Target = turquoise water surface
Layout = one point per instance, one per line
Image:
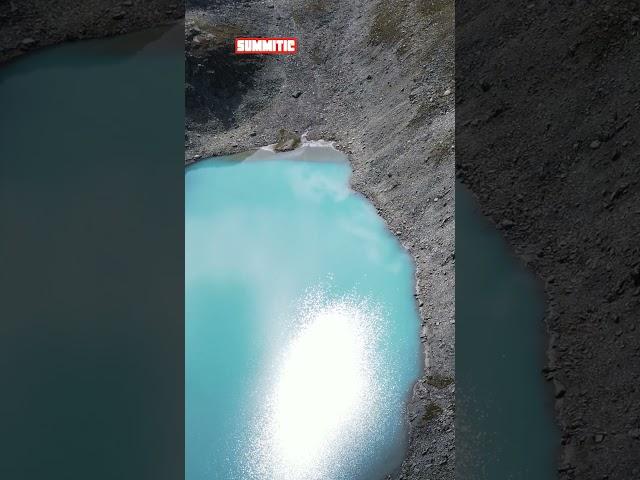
(302, 338)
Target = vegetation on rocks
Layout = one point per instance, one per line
(432, 411)
(439, 381)
(287, 141)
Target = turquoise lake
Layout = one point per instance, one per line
(302, 336)
(505, 426)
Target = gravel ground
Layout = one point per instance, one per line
(27, 25)
(378, 80)
(547, 139)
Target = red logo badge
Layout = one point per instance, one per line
(266, 45)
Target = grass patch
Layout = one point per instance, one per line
(439, 381)
(429, 8)
(387, 23)
(216, 34)
(217, 30)
(389, 16)
(432, 411)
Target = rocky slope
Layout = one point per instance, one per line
(547, 139)
(26, 25)
(377, 78)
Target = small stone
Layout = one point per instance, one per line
(559, 388)
(127, 3)
(447, 92)
(635, 433)
(598, 438)
(28, 42)
(595, 144)
(565, 467)
(118, 15)
(296, 94)
(252, 134)
(635, 19)
(506, 223)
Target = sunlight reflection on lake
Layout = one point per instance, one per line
(301, 331)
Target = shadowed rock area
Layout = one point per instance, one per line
(376, 78)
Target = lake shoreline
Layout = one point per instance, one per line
(28, 25)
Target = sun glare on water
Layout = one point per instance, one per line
(323, 395)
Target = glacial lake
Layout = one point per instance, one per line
(302, 336)
(505, 425)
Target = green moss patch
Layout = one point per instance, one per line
(432, 411)
(439, 381)
(387, 23)
(429, 8)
